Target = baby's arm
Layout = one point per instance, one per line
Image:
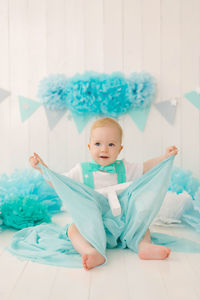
(34, 161)
(149, 164)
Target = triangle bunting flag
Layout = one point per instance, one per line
(140, 116)
(3, 94)
(194, 98)
(27, 107)
(53, 117)
(167, 109)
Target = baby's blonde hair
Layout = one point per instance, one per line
(107, 122)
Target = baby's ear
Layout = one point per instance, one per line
(89, 146)
(121, 148)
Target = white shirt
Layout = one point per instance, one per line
(103, 179)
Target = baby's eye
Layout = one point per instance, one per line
(97, 144)
(111, 145)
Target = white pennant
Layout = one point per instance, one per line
(53, 117)
(3, 94)
(167, 109)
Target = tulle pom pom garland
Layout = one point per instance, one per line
(115, 98)
(141, 89)
(84, 95)
(95, 93)
(99, 94)
(53, 92)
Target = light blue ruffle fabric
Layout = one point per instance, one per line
(140, 203)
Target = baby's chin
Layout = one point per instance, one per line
(104, 161)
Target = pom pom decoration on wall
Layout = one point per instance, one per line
(94, 94)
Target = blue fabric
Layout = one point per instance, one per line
(91, 213)
(175, 243)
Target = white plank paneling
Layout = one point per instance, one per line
(5, 151)
(190, 115)
(34, 283)
(37, 124)
(94, 57)
(143, 279)
(132, 63)
(71, 145)
(57, 64)
(19, 70)
(113, 289)
(113, 36)
(71, 284)
(151, 138)
(170, 70)
(11, 270)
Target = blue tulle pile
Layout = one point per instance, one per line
(98, 93)
(53, 92)
(182, 180)
(142, 89)
(20, 212)
(26, 198)
(84, 95)
(115, 98)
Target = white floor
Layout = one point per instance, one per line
(124, 277)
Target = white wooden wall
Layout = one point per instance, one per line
(42, 37)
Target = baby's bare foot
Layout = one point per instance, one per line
(150, 251)
(92, 260)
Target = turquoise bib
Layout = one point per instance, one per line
(88, 169)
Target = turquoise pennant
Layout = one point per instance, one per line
(139, 116)
(194, 98)
(27, 107)
(81, 121)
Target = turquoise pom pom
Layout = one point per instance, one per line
(29, 190)
(20, 212)
(182, 180)
(142, 89)
(53, 92)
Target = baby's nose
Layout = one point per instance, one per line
(104, 148)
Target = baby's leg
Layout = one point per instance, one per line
(90, 256)
(146, 250)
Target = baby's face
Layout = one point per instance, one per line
(105, 145)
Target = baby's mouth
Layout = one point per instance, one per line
(104, 156)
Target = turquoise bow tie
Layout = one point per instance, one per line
(93, 166)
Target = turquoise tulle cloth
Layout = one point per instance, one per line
(26, 199)
(90, 211)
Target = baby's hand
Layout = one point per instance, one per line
(172, 150)
(35, 160)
